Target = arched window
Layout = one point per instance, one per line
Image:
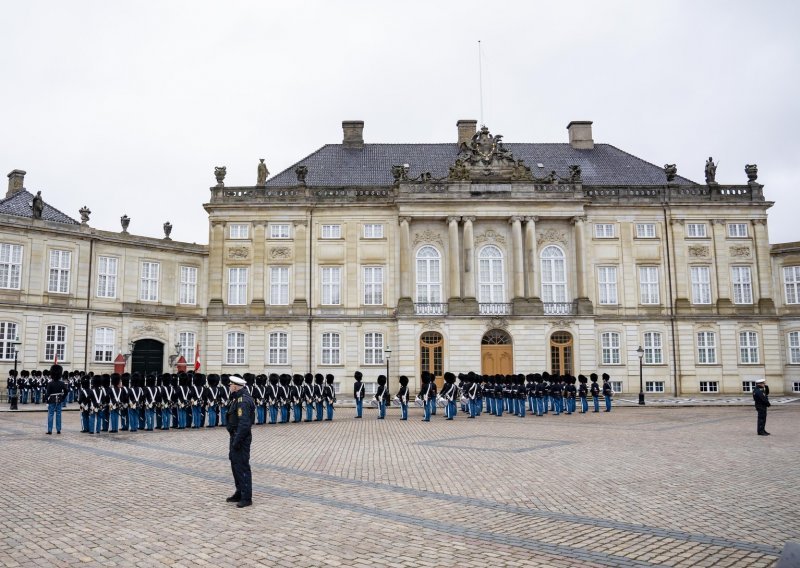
(491, 279)
(554, 275)
(429, 276)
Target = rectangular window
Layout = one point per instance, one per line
(103, 345)
(107, 277)
(796, 386)
(791, 284)
(279, 231)
(709, 386)
(607, 282)
(794, 348)
(187, 341)
(8, 338)
(742, 285)
(648, 284)
(610, 345)
(701, 284)
(331, 345)
(373, 285)
(373, 348)
(737, 230)
(279, 285)
(237, 286)
(616, 386)
(604, 230)
(60, 261)
(149, 281)
(653, 351)
(10, 266)
(748, 347)
(373, 231)
(234, 352)
(331, 231)
(695, 230)
(188, 293)
(706, 348)
(748, 386)
(645, 230)
(238, 231)
(278, 348)
(55, 342)
(654, 386)
(331, 286)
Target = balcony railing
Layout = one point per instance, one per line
(560, 308)
(431, 309)
(493, 309)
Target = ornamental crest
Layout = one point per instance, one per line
(428, 236)
(697, 251)
(490, 235)
(552, 236)
(561, 324)
(238, 253)
(146, 329)
(485, 159)
(740, 251)
(431, 325)
(280, 253)
(497, 323)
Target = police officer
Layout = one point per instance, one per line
(762, 402)
(241, 413)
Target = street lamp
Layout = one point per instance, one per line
(640, 353)
(13, 402)
(387, 353)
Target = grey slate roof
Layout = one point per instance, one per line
(336, 165)
(19, 205)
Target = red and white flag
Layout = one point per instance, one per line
(197, 358)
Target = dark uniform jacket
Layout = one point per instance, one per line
(241, 415)
(760, 397)
(56, 391)
(358, 390)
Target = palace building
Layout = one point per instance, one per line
(470, 255)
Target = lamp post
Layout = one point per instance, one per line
(14, 399)
(387, 353)
(640, 353)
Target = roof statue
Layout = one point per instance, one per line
(37, 205)
(711, 171)
(263, 172)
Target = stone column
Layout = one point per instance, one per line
(216, 263)
(469, 258)
(301, 267)
(259, 244)
(761, 250)
(721, 266)
(532, 256)
(405, 304)
(517, 252)
(454, 271)
(584, 304)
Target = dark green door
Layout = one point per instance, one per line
(147, 357)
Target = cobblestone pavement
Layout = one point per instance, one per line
(636, 487)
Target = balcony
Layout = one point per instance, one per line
(560, 308)
(494, 309)
(431, 309)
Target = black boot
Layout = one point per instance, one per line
(236, 497)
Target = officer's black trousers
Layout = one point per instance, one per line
(240, 465)
(762, 418)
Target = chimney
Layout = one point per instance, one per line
(580, 134)
(466, 130)
(16, 182)
(353, 134)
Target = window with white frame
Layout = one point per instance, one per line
(8, 337)
(187, 340)
(373, 285)
(237, 286)
(103, 345)
(331, 285)
(654, 386)
(645, 230)
(706, 348)
(279, 231)
(278, 348)
(794, 347)
(791, 284)
(653, 349)
(107, 276)
(610, 342)
(148, 291)
(373, 348)
(491, 281)
(648, 285)
(234, 348)
(10, 266)
(60, 261)
(279, 285)
(748, 386)
(742, 285)
(238, 231)
(748, 347)
(604, 230)
(616, 386)
(696, 230)
(55, 342)
(737, 230)
(429, 277)
(554, 275)
(373, 231)
(607, 285)
(331, 348)
(331, 231)
(701, 284)
(709, 386)
(796, 386)
(188, 291)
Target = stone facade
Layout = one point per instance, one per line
(493, 258)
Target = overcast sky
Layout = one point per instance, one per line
(127, 106)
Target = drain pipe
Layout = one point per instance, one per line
(675, 361)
